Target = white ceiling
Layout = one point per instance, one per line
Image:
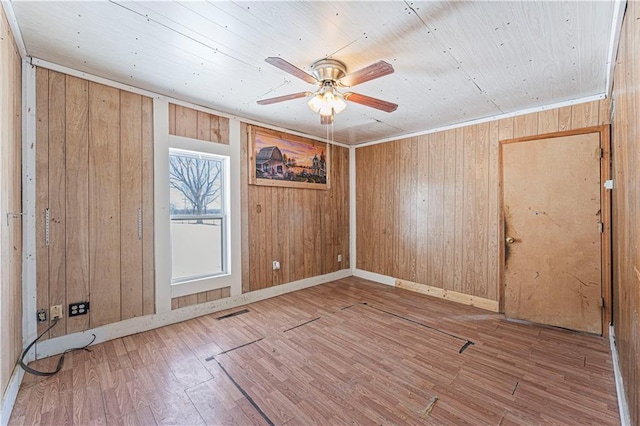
(454, 61)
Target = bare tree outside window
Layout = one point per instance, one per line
(198, 180)
(197, 214)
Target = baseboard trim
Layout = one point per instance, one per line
(107, 332)
(623, 406)
(10, 395)
(440, 293)
(454, 296)
(372, 276)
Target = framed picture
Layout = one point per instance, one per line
(279, 159)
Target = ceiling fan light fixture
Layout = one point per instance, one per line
(329, 74)
(327, 103)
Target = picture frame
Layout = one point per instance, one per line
(284, 160)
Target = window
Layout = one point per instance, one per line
(198, 203)
(197, 227)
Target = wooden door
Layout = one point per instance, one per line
(552, 212)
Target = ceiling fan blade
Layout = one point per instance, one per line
(291, 69)
(326, 119)
(371, 102)
(379, 69)
(283, 98)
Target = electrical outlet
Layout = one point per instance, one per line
(56, 311)
(276, 265)
(78, 308)
(339, 258)
(42, 315)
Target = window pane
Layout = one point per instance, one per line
(196, 183)
(196, 248)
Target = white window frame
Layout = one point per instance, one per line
(222, 217)
(165, 290)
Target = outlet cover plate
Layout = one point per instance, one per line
(56, 311)
(78, 308)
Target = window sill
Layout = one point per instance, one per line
(198, 285)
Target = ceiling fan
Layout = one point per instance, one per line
(329, 75)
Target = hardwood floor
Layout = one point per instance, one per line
(350, 351)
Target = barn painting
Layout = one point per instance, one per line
(279, 160)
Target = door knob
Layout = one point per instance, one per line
(510, 240)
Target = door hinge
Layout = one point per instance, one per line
(600, 227)
(602, 302)
(139, 224)
(601, 153)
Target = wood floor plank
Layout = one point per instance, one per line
(350, 351)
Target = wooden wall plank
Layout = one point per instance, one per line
(10, 202)
(386, 207)
(308, 232)
(495, 195)
(296, 255)
(204, 126)
(77, 197)
(548, 121)
(564, 119)
(189, 300)
(284, 229)
(448, 205)
(459, 237)
(454, 237)
(12, 314)
(585, 115)
(130, 204)
(422, 228)
(42, 193)
(363, 179)
(222, 133)
(104, 198)
(186, 122)
(148, 269)
(172, 119)
(57, 198)
(267, 230)
(481, 210)
(626, 205)
(407, 212)
(276, 248)
(332, 240)
(252, 245)
(318, 258)
(525, 125)
(244, 209)
(436, 207)
(342, 175)
(469, 219)
(604, 114)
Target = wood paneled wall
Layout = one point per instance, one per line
(202, 297)
(626, 206)
(428, 206)
(194, 124)
(94, 172)
(304, 229)
(10, 202)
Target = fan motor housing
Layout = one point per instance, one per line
(328, 70)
